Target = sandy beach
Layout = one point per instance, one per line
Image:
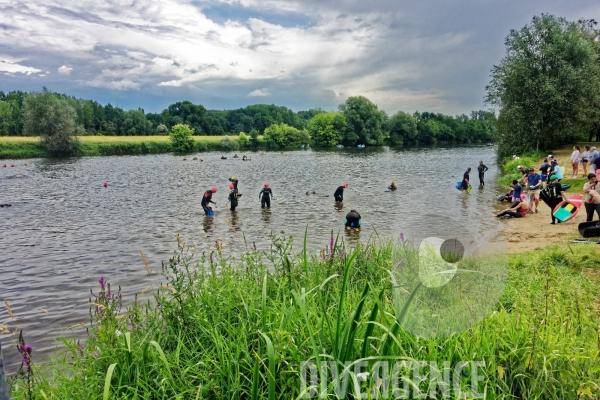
(535, 231)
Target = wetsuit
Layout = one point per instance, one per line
(206, 199)
(520, 213)
(554, 197)
(393, 187)
(481, 168)
(235, 183)
(339, 194)
(233, 200)
(353, 219)
(266, 195)
(466, 178)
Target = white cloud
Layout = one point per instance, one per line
(64, 70)
(12, 67)
(259, 93)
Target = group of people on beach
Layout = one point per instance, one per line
(589, 157)
(352, 222)
(526, 192)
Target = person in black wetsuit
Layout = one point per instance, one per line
(393, 186)
(465, 182)
(555, 196)
(265, 196)
(481, 169)
(206, 199)
(233, 200)
(339, 193)
(353, 220)
(234, 180)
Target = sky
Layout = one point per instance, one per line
(426, 55)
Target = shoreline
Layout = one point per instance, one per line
(534, 232)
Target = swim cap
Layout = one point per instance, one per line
(345, 185)
(214, 189)
(553, 177)
(231, 186)
(233, 177)
(266, 184)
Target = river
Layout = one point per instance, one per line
(65, 230)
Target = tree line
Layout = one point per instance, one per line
(547, 87)
(358, 121)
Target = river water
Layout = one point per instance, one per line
(65, 229)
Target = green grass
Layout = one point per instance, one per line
(225, 328)
(29, 147)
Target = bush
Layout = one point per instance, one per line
(228, 144)
(181, 138)
(243, 139)
(286, 136)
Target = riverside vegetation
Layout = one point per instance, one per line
(227, 328)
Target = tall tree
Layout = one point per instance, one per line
(327, 129)
(548, 84)
(403, 128)
(365, 121)
(53, 120)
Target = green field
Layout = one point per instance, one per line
(16, 147)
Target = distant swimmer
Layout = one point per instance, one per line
(481, 169)
(313, 191)
(339, 193)
(353, 221)
(393, 186)
(223, 158)
(184, 158)
(235, 156)
(233, 198)
(195, 158)
(206, 199)
(265, 196)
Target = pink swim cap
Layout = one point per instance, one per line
(214, 189)
(231, 186)
(266, 184)
(523, 197)
(345, 185)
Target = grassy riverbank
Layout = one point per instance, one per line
(16, 147)
(225, 328)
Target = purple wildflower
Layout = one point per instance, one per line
(25, 351)
(331, 244)
(94, 354)
(101, 282)
(402, 236)
(368, 255)
(401, 263)
(254, 243)
(342, 254)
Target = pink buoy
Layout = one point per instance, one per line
(13, 165)
(105, 183)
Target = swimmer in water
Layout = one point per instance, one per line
(339, 193)
(393, 186)
(206, 199)
(263, 196)
(233, 199)
(234, 180)
(353, 221)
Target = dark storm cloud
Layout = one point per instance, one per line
(426, 55)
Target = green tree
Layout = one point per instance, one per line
(228, 143)
(365, 121)
(181, 138)
(53, 120)
(5, 118)
(403, 128)
(548, 84)
(283, 135)
(243, 139)
(254, 138)
(327, 129)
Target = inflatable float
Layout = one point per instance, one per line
(589, 229)
(565, 211)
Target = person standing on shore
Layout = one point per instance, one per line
(590, 203)
(585, 158)
(534, 181)
(593, 156)
(544, 169)
(465, 182)
(481, 169)
(556, 195)
(575, 156)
